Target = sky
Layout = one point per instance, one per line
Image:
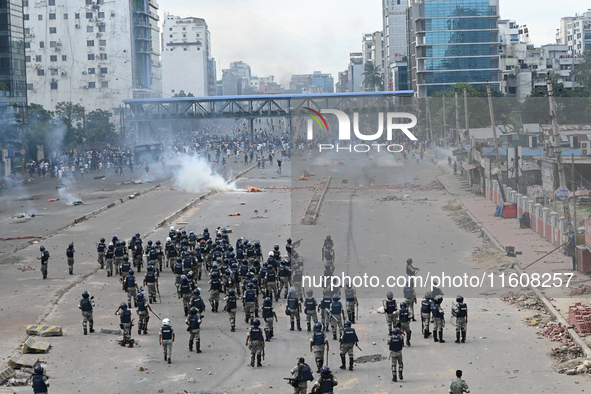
(282, 38)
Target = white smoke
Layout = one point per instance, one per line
(386, 160)
(194, 174)
(65, 193)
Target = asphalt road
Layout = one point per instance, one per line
(372, 236)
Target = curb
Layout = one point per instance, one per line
(547, 304)
(310, 218)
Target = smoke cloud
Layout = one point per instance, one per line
(194, 174)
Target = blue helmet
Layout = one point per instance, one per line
(256, 322)
(268, 301)
(403, 305)
(325, 370)
(336, 297)
(231, 292)
(347, 324)
(85, 294)
(196, 292)
(124, 306)
(395, 331)
(38, 370)
(131, 272)
(318, 326)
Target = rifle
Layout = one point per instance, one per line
(327, 356)
(155, 314)
(296, 243)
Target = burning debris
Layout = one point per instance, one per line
(252, 189)
(24, 216)
(61, 186)
(305, 176)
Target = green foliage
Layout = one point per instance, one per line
(372, 77)
(99, 128)
(183, 94)
(582, 72)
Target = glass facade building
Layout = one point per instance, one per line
(13, 82)
(453, 41)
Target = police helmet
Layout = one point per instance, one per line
(252, 269)
(193, 311)
(438, 299)
(256, 261)
(205, 230)
(245, 241)
(171, 228)
(408, 261)
(255, 281)
(214, 266)
(42, 248)
(111, 247)
(276, 247)
(288, 240)
(226, 261)
(38, 370)
(228, 272)
(224, 230)
(390, 295)
(249, 286)
(150, 243)
(191, 232)
(326, 292)
(395, 331)
(184, 278)
(131, 272)
(137, 235)
(248, 245)
(218, 248)
(309, 293)
(168, 239)
(256, 322)
(271, 254)
(257, 244)
(133, 238)
(196, 292)
(190, 275)
(427, 295)
(268, 301)
(209, 241)
(234, 266)
(249, 274)
(85, 294)
(327, 266)
(403, 305)
(325, 370)
(317, 326)
(265, 264)
(347, 324)
(231, 292)
(158, 243)
(230, 248)
(166, 322)
(244, 261)
(295, 267)
(179, 260)
(336, 297)
(150, 268)
(123, 306)
(115, 237)
(459, 299)
(328, 238)
(102, 240)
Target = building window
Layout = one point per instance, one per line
(26, 17)
(52, 30)
(101, 29)
(29, 86)
(197, 34)
(52, 16)
(41, 44)
(54, 85)
(27, 45)
(28, 59)
(40, 72)
(38, 58)
(27, 30)
(100, 1)
(51, 2)
(184, 28)
(88, 2)
(103, 56)
(101, 14)
(184, 36)
(89, 29)
(91, 85)
(103, 70)
(64, 58)
(170, 28)
(65, 16)
(54, 71)
(90, 56)
(25, 3)
(104, 84)
(77, 16)
(198, 48)
(171, 36)
(89, 15)
(40, 17)
(90, 43)
(184, 49)
(53, 58)
(52, 44)
(91, 70)
(102, 43)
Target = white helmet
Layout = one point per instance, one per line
(168, 239)
(270, 253)
(166, 322)
(171, 228)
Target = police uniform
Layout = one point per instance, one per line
(348, 341)
(284, 274)
(426, 316)
(143, 316)
(192, 241)
(131, 289)
(44, 262)
(310, 310)
(125, 320)
(303, 374)
(326, 383)
(336, 308)
(250, 299)
(100, 249)
(231, 301)
(319, 343)
(439, 321)
(293, 303)
(118, 256)
(166, 332)
(124, 270)
(404, 321)
(297, 281)
(462, 317)
(350, 301)
(194, 323)
(86, 305)
(268, 313)
(390, 309)
(70, 256)
(171, 254)
(396, 343)
(214, 293)
(271, 283)
(39, 384)
(186, 294)
(150, 279)
(109, 255)
(178, 272)
(324, 307)
(458, 386)
(255, 345)
(410, 298)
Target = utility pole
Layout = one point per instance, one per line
(555, 134)
(574, 188)
(444, 123)
(494, 129)
(429, 119)
(466, 116)
(458, 117)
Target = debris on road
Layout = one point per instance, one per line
(24, 216)
(61, 186)
(234, 214)
(99, 177)
(526, 301)
(44, 331)
(370, 359)
(78, 203)
(579, 317)
(52, 199)
(22, 268)
(417, 187)
(252, 189)
(32, 346)
(579, 289)
(23, 237)
(557, 333)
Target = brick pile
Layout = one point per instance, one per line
(557, 334)
(579, 316)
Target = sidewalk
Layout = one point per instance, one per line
(532, 246)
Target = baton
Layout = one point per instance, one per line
(359, 347)
(159, 297)
(357, 311)
(155, 314)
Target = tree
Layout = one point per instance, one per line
(183, 94)
(581, 73)
(99, 127)
(73, 117)
(372, 77)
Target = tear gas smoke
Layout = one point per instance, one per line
(194, 175)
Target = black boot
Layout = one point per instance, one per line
(190, 345)
(272, 335)
(233, 329)
(217, 305)
(256, 312)
(435, 336)
(299, 326)
(91, 327)
(463, 335)
(131, 343)
(186, 311)
(319, 363)
(351, 364)
(457, 337)
(292, 324)
(441, 336)
(259, 361)
(85, 332)
(267, 335)
(394, 377)
(408, 340)
(334, 335)
(326, 328)
(139, 329)
(170, 360)
(252, 360)
(198, 346)
(309, 327)
(400, 375)
(353, 317)
(164, 356)
(343, 362)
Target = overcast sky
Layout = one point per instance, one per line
(282, 38)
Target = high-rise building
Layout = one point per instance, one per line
(355, 72)
(92, 52)
(317, 82)
(575, 33)
(13, 82)
(453, 41)
(186, 57)
(395, 43)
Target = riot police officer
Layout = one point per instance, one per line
(255, 342)
(250, 299)
(288, 248)
(166, 338)
(100, 249)
(410, 298)
(438, 318)
(171, 252)
(70, 257)
(284, 275)
(151, 281)
(268, 313)
(185, 293)
(326, 382)
(317, 344)
(271, 282)
(324, 308)
(197, 301)
(177, 269)
(214, 291)
(404, 321)
(194, 323)
(297, 279)
(124, 270)
(461, 319)
(310, 309)
(130, 286)
(328, 256)
(118, 254)
(125, 323)
(348, 342)
(231, 305)
(395, 344)
(426, 305)
(39, 381)
(303, 374)
(86, 304)
(44, 261)
(143, 306)
(295, 308)
(351, 301)
(336, 312)
(390, 310)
